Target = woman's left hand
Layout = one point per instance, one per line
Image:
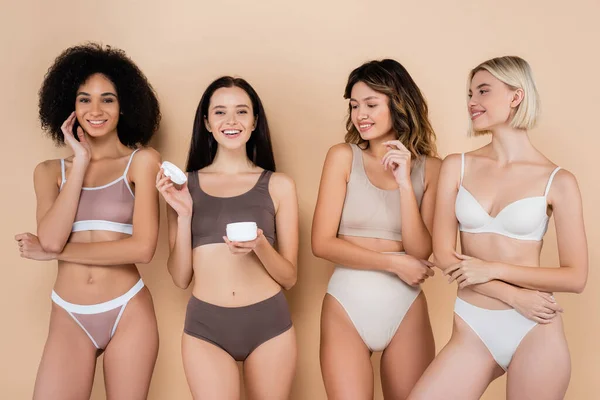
(469, 271)
(30, 247)
(245, 247)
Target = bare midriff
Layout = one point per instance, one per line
(230, 280)
(93, 284)
(497, 248)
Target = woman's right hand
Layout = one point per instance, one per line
(411, 270)
(536, 306)
(81, 149)
(180, 200)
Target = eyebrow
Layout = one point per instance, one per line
(103, 94)
(367, 98)
(238, 106)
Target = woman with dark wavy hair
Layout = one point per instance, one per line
(237, 311)
(97, 215)
(373, 219)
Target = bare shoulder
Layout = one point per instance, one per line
(452, 162)
(564, 185)
(146, 156)
(340, 152)
(282, 185)
(47, 170)
(432, 163)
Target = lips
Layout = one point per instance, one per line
(97, 123)
(364, 127)
(476, 114)
(231, 133)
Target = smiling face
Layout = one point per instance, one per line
(370, 112)
(230, 117)
(97, 106)
(492, 103)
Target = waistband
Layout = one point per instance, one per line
(101, 307)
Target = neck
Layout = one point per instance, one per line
(106, 146)
(510, 144)
(376, 146)
(232, 161)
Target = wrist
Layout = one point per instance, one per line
(405, 186)
(184, 219)
(511, 295)
(261, 243)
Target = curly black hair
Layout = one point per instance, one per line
(140, 112)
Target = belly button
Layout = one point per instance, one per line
(90, 280)
(233, 293)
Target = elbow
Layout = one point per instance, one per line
(146, 255)
(319, 247)
(51, 245)
(290, 282)
(180, 283)
(579, 285)
(443, 258)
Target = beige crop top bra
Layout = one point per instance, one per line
(373, 212)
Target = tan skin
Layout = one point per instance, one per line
(234, 274)
(498, 272)
(345, 359)
(95, 266)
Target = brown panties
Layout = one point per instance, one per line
(238, 330)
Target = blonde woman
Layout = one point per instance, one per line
(500, 197)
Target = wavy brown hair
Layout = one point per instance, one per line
(408, 107)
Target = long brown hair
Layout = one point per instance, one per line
(408, 107)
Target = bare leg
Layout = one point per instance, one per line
(409, 353)
(66, 371)
(130, 356)
(210, 371)
(541, 367)
(462, 370)
(345, 359)
(269, 370)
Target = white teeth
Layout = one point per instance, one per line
(475, 114)
(231, 132)
(97, 122)
(365, 126)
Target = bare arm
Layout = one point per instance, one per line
(179, 217)
(419, 222)
(281, 264)
(445, 228)
(140, 246)
(571, 276)
(56, 208)
(328, 212)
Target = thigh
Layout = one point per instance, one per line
(130, 356)
(541, 366)
(68, 363)
(462, 370)
(269, 370)
(210, 371)
(345, 359)
(409, 353)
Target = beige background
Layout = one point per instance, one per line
(298, 56)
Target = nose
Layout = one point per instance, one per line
(472, 102)
(362, 114)
(95, 108)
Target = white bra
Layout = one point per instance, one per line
(524, 219)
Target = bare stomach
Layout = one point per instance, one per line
(230, 280)
(496, 248)
(93, 284)
(374, 244)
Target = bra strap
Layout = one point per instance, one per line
(129, 163)
(462, 167)
(550, 181)
(62, 172)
